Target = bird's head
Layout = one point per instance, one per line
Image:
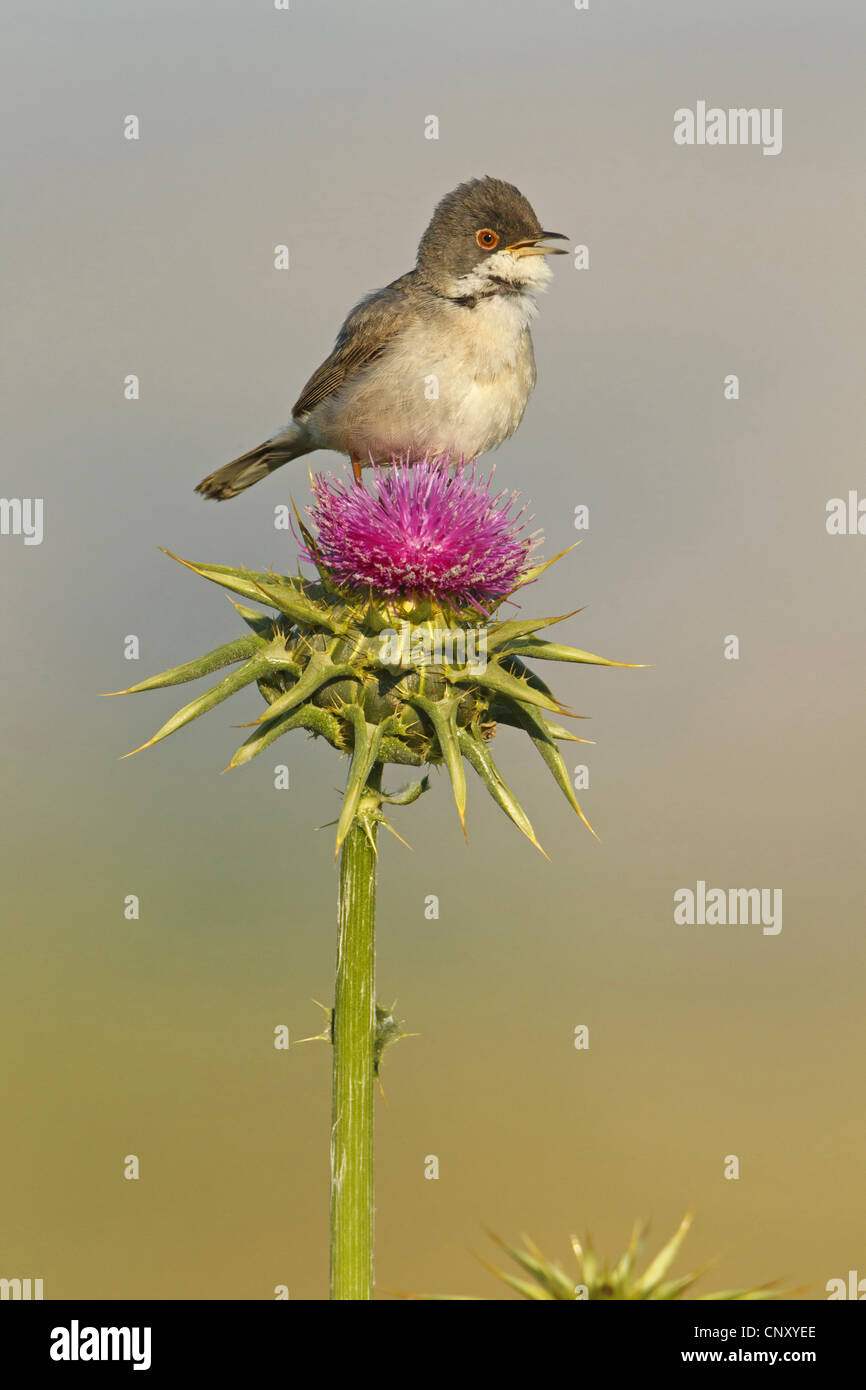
(484, 238)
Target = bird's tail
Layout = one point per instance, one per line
(242, 472)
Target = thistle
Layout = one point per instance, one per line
(396, 653)
(395, 673)
(620, 1282)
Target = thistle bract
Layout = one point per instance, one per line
(407, 677)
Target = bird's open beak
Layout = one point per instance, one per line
(529, 245)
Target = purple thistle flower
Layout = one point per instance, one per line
(421, 530)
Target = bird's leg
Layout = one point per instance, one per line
(356, 468)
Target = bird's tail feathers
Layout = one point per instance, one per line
(251, 467)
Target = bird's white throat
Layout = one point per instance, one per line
(513, 276)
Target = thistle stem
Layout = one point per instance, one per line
(354, 1029)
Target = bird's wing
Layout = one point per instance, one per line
(367, 333)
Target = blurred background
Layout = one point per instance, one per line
(707, 518)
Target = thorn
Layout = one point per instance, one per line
(140, 749)
(387, 825)
(186, 564)
(589, 827)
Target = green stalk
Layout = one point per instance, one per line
(354, 1032)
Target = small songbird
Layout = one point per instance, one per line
(439, 362)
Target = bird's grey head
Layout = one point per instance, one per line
(483, 239)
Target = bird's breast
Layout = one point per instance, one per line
(492, 336)
(457, 380)
(482, 351)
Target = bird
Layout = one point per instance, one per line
(439, 363)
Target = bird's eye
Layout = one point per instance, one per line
(486, 239)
